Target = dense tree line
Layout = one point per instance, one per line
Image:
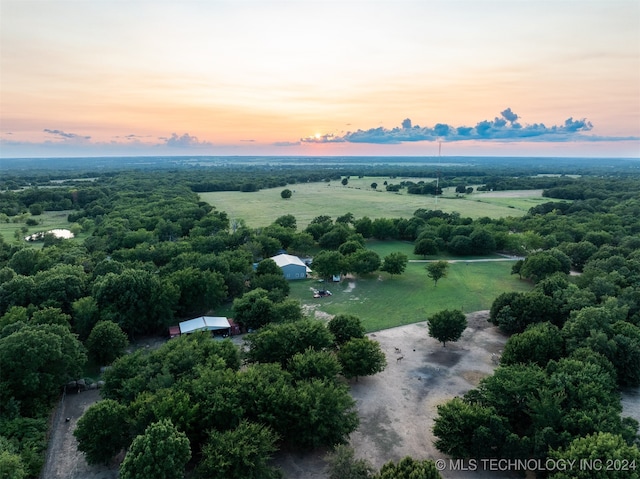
(575, 340)
(156, 254)
(191, 391)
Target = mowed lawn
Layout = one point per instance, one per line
(382, 301)
(384, 248)
(309, 200)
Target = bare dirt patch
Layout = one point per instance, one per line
(397, 407)
(350, 287)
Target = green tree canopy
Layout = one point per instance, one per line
(537, 344)
(102, 431)
(384, 228)
(409, 468)
(162, 452)
(601, 454)
(627, 354)
(361, 357)
(364, 261)
(437, 270)
(447, 325)
(539, 265)
(425, 247)
(468, 430)
(277, 343)
(344, 327)
(51, 315)
(276, 285)
(328, 263)
(139, 301)
(241, 453)
(364, 226)
(350, 247)
(11, 465)
(199, 291)
(106, 342)
(395, 263)
(60, 286)
(287, 221)
(322, 414)
(482, 241)
(85, 316)
(253, 309)
(312, 364)
(36, 361)
(344, 465)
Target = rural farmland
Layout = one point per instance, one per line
(309, 200)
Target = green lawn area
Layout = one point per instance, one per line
(521, 204)
(384, 302)
(314, 199)
(384, 248)
(47, 221)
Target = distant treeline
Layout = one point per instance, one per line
(74, 194)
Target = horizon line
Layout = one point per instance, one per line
(317, 156)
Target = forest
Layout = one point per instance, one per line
(149, 253)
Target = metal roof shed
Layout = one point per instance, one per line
(204, 323)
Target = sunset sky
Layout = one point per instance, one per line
(516, 77)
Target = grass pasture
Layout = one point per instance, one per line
(47, 221)
(384, 248)
(521, 200)
(309, 200)
(383, 302)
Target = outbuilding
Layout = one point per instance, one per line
(218, 325)
(292, 267)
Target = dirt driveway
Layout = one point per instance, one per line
(63, 459)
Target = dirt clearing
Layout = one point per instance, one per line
(397, 407)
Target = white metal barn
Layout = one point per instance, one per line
(206, 323)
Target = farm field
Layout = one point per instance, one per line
(309, 200)
(383, 302)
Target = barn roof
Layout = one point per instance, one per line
(204, 323)
(288, 259)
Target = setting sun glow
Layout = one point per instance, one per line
(255, 78)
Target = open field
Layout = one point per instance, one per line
(47, 221)
(314, 199)
(382, 301)
(386, 247)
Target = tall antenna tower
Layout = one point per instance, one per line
(438, 170)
